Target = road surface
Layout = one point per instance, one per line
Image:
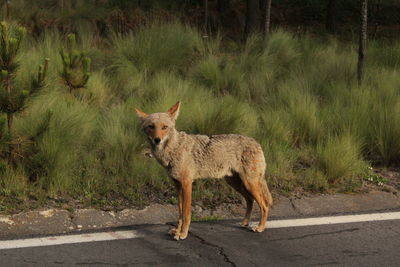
(219, 243)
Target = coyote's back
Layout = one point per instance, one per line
(221, 155)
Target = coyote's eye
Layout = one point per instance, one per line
(164, 127)
(151, 126)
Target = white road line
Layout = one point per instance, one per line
(333, 220)
(67, 239)
(117, 235)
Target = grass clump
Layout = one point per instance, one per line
(387, 129)
(329, 159)
(158, 47)
(314, 180)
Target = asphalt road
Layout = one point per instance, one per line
(224, 243)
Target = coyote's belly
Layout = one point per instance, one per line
(215, 168)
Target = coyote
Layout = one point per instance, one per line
(186, 157)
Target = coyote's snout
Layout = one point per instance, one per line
(237, 159)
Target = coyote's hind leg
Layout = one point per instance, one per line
(255, 188)
(238, 185)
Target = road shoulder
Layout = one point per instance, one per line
(56, 221)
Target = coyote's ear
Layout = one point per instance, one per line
(174, 110)
(141, 115)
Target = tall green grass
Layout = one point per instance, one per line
(330, 155)
(296, 95)
(158, 47)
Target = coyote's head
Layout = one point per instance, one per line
(159, 126)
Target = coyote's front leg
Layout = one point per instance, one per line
(179, 191)
(186, 185)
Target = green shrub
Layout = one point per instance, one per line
(283, 50)
(384, 54)
(76, 65)
(339, 158)
(303, 116)
(158, 47)
(13, 181)
(387, 130)
(314, 180)
(218, 74)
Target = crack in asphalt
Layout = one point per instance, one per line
(220, 249)
(326, 263)
(310, 235)
(101, 263)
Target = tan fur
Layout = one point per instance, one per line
(238, 159)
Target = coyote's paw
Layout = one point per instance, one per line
(257, 229)
(180, 236)
(245, 223)
(173, 231)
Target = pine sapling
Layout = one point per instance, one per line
(76, 65)
(12, 98)
(39, 80)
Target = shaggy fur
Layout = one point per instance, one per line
(238, 159)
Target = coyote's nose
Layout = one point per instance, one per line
(157, 140)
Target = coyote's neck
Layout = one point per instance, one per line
(165, 153)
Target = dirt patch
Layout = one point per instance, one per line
(392, 177)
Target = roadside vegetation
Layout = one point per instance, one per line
(295, 94)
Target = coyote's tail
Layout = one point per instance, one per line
(266, 193)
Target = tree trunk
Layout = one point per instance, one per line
(362, 41)
(330, 16)
(376, 15)
(266, 17)
(223, 6)
(8, 9)
(252, 17)
(10, 120)
(206, 16)
(7, 85)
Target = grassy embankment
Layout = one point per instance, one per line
(297, 96)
